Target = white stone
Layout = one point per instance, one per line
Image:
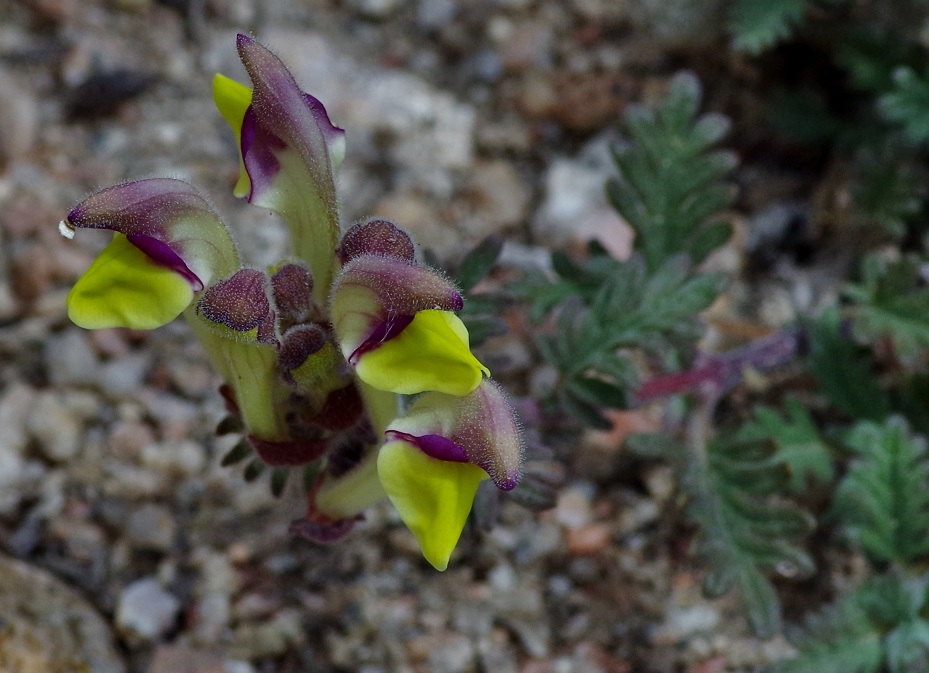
(146, 610)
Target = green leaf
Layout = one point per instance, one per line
(888, 191)
(670, 185)
(756, 26)
(908, 647)
(883, 501)
(907, 104)
(844, 374)
(479, 261)
(629, 310)
(745, 530)
(799, 444)
(892, 303)
(840, 639)
(238, 453)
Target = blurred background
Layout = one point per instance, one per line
(126, 547)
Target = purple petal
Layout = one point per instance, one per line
(282, 116)
(161, 253)
(490, 434)
(434, 446)
(167, 219)
(401, 288)
(385, 331)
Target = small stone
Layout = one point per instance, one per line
(498, 195)
(125, 375)
(48, 628)
(31, 273)
(55, 427)
(452, 653)
(71, 359)
(588, 539)
(575, 209)
(527, 44)
(145, 610)
(152, 527)
(181, 659)
(19, 119)
(376, 9)
(573, 509)
(181, 457)
(271, 638)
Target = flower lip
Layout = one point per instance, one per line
(162, 253)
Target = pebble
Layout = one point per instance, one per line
(498, 195)
(146, 610)
(55, 427)
(47, 627)
(19, 119)
(574, 506)
(126, 375)
(588, 540)
(375, 9)
(183, 457)
(152, 527)
(71, 359)
(183, 659)
(270, 638)
(575, 209)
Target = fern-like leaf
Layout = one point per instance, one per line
(799, 444)
(630, 309)
(892, 302)
(745, 530)
(840, 639)
(844, 374)
(670, 186)
(757, 26)
(883, 501)
(907, 104)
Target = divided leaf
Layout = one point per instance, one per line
(799, 444)
(844, 375)
(840, 639)
(891, 302)
(907, 104)
(670, 186)
(883, 501)
(756, 26)
(656, 314)
(746, 530)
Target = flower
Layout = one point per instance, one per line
(316, 351)
(394, 319)
(436, 456)
(289, 154)
(168, 245)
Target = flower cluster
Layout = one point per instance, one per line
(319, 353)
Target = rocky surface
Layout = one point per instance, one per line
(464, 117)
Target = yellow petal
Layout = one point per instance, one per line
(431, 353)
(232, 100)
(433, 497)
(125, 288)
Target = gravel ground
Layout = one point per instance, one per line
(135, 551)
